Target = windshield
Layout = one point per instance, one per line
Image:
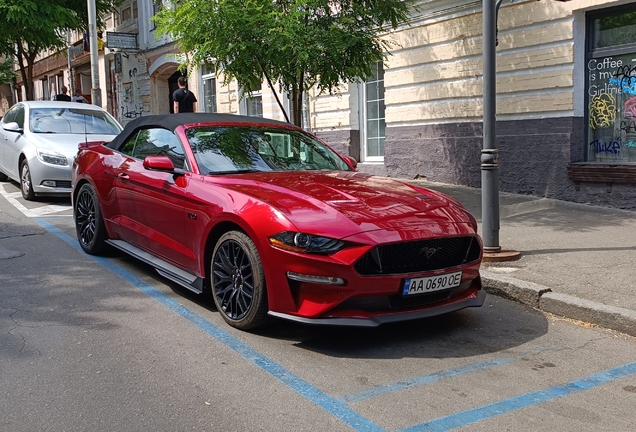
(72, 121)
(232, 149)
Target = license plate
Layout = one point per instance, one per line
(432, 283)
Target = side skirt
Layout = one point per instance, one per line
(175, 274)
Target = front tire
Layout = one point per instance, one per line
(238, 281)
(89, 224)
(26, 187)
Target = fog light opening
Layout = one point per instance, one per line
(327, 280)
(49, 183)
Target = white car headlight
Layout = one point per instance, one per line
(51, 157)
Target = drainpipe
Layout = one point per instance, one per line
(305, 113)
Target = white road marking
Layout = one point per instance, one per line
(12, 198)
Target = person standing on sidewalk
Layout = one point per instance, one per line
(63, 96)
(78, 97)
(184, 99)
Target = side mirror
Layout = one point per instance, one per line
(161, 163)
(352, 162)
(13, 127)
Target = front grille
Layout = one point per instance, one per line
(383, 303)
(419, 256)
(400, 302)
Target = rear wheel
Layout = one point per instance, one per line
(89, 224)
(25, 182)
(238, 282)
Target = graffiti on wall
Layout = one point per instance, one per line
(602, 111)
(133, 89)
(129, 109)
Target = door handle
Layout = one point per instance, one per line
(123, 176)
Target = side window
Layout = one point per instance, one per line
(19, 116)
(129, 146)
(156, 142)
(10, 115)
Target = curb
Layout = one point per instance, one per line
(543, 298)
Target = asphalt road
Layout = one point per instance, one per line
(106, 344)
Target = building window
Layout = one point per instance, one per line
(254, 105)
(373, 124)
(208, 74)
(126, 14)
(156, 7)
(135, 11)
(611, 86)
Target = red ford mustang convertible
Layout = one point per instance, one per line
(274, 223)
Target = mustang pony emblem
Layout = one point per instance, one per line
(428, 251)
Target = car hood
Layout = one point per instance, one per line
(65, 143)
(353, 202)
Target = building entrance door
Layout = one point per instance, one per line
(172, 86)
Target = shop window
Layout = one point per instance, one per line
(373, 123)
(611, 86)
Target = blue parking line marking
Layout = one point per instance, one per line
(430, 378)
(326, 402)
(425, 379)
(523, 401)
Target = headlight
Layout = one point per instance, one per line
(306, 243)
(51, 157)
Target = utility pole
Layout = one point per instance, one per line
(490, 154)
(96, 92)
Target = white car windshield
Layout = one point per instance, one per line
(72, 121)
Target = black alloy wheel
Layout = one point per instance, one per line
(89, 224)
(238, 281)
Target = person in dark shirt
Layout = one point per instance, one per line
(184, 99)
(63, 96)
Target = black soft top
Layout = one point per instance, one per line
(172, 121)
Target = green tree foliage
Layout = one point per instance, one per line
(295, 44)
(31, 26)
(6, 72)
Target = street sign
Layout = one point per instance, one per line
(121, 40)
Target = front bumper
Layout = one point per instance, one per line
(58, 177)
(471, 298)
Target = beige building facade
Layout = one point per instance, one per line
(565, 83)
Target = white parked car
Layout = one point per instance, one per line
(39, 139)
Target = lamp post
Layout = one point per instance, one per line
(489, 153)
(96, 93)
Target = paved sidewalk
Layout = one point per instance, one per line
(578, 261)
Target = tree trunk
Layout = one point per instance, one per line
(297, 100)
(297, 107)
(26, 71)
